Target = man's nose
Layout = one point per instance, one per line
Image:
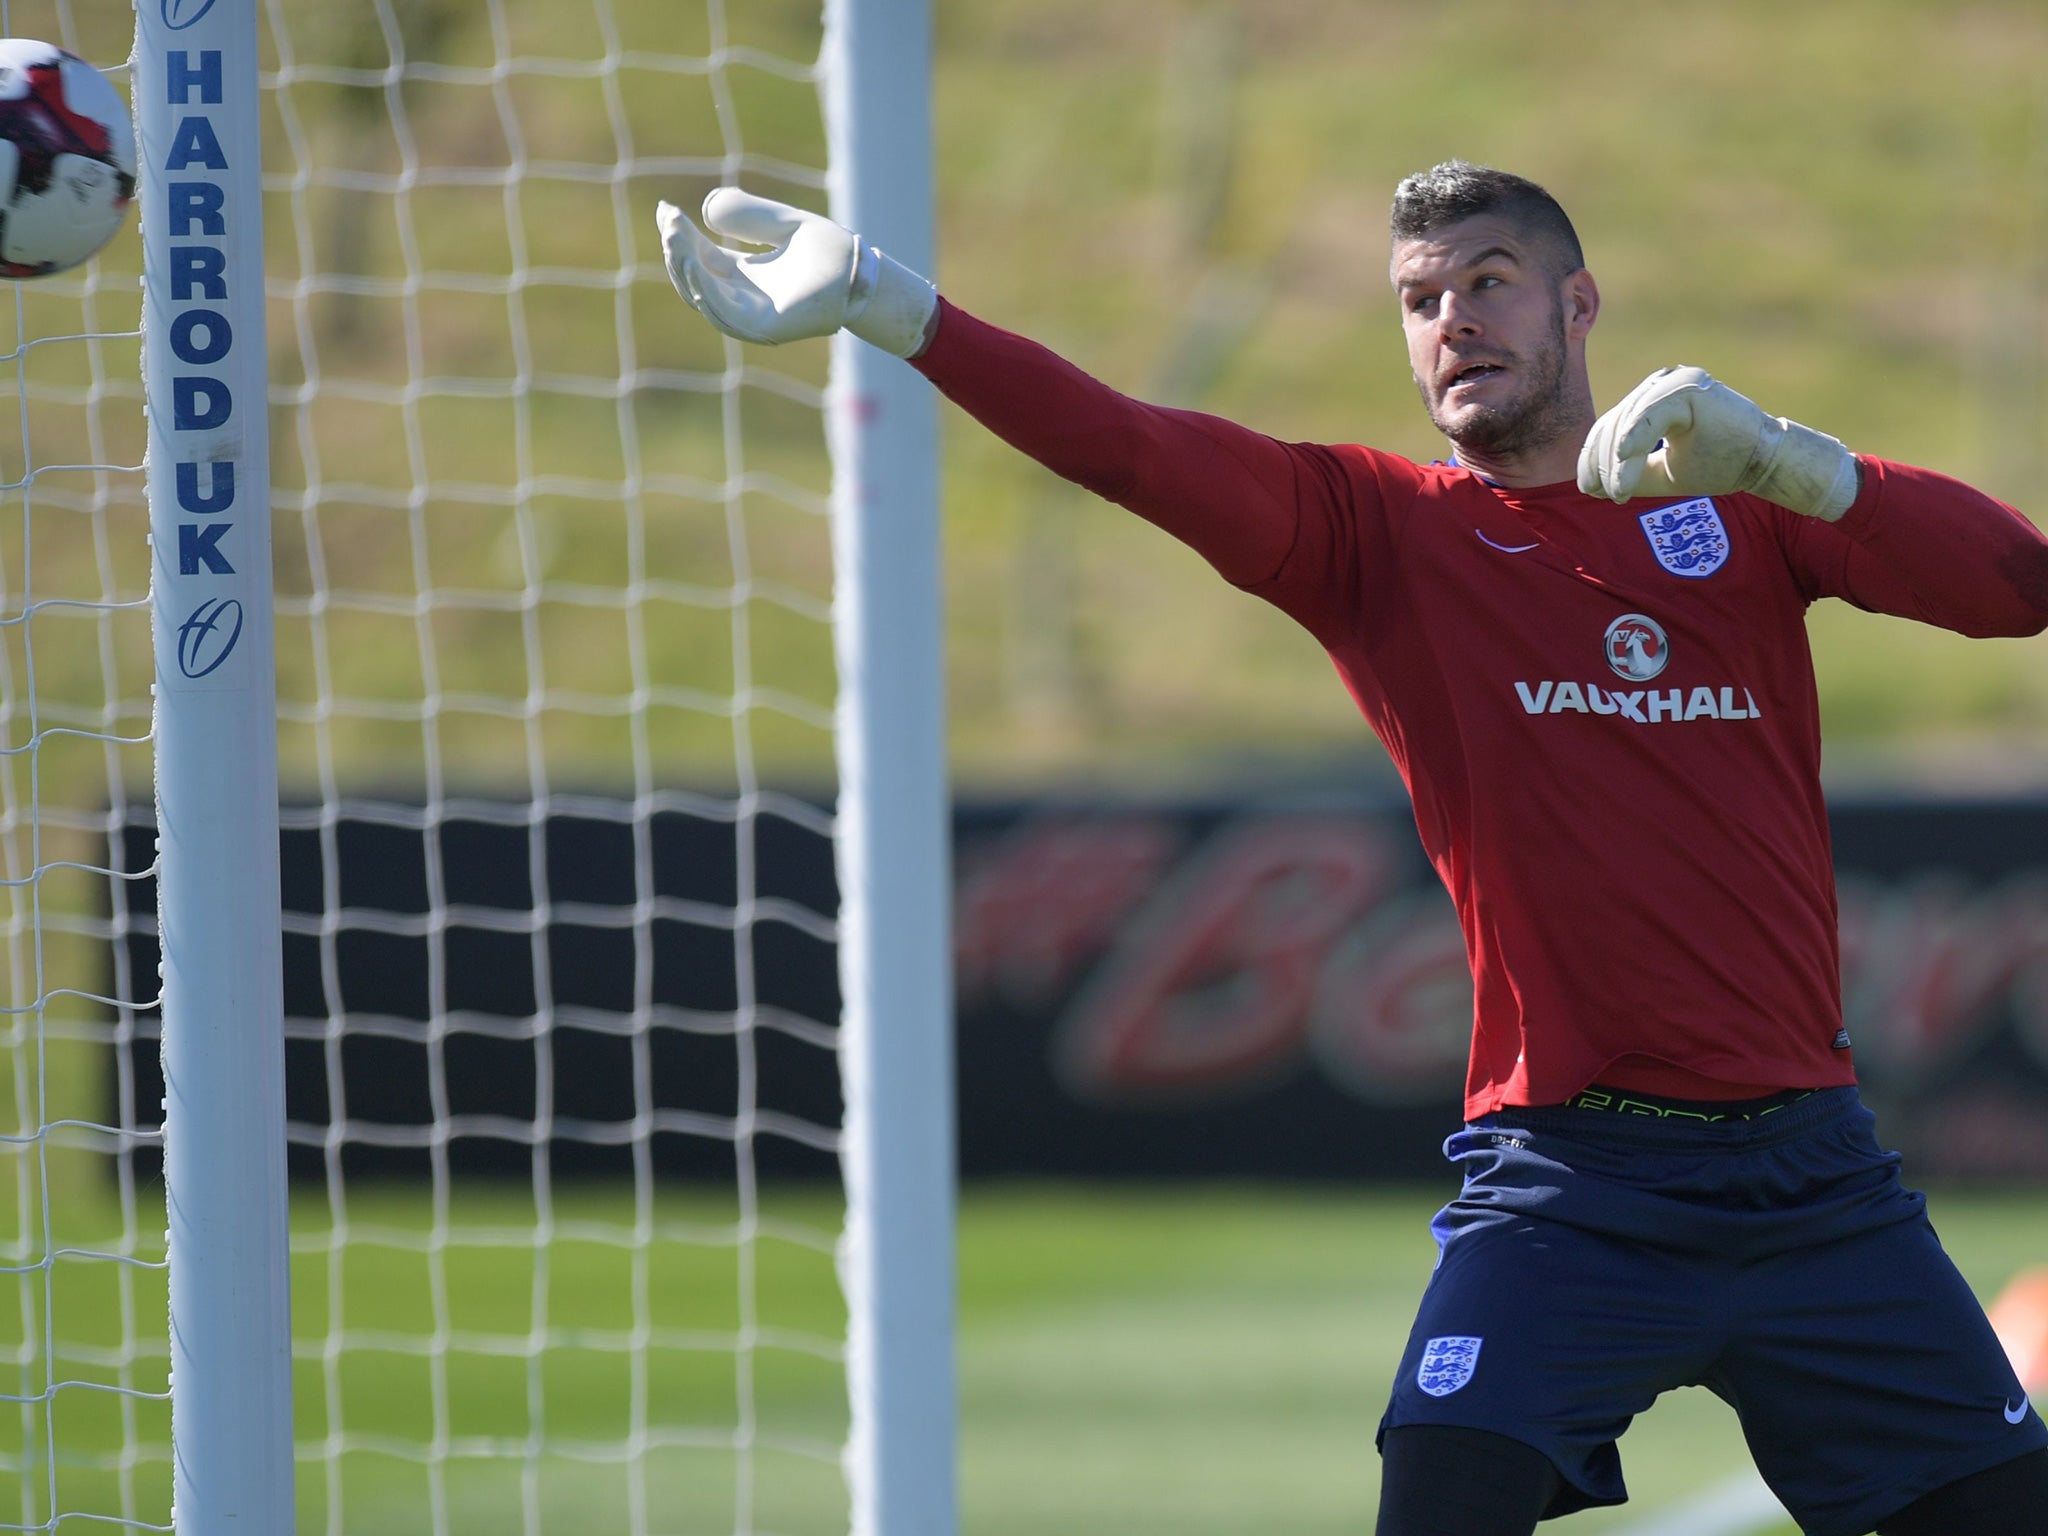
(1455, 317)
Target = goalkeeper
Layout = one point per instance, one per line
(1582, 640)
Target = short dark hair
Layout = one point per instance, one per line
(1457, 190)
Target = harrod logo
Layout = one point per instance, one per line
(206, 639)
(180, 14)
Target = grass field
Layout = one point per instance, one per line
(1186, 1361)
(1838, 208)
(1216, 1361)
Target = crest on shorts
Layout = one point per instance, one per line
(1688, 539)
(1447, 1364)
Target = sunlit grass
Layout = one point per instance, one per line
(1163, 1359)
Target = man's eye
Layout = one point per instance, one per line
(1488, 281)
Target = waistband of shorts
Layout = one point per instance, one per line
(1599, 1098)
(1796, 1116)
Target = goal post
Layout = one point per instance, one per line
(197, 106)
(554, 568)
(893, 809)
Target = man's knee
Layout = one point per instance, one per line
(1437, 1480)
(2010, 1499)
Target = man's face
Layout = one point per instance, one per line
(1486, 328)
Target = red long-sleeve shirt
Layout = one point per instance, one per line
(1605, 715)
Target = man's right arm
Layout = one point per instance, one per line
(1236, 496)
(1281, 519)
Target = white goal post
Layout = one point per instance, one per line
(204, 74)
(894, 813)
(195, 97)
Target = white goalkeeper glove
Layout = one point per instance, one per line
(813, 279)
(1714, 442)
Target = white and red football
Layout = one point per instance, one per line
(67, 159)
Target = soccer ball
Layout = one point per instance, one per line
(67, 159)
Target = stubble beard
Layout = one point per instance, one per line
(1541, 415)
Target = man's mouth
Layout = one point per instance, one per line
(1473, 373)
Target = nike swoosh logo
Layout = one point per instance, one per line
(1506, 549)
(2014, 1415)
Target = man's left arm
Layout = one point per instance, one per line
(1923, 546)
(1884, 536)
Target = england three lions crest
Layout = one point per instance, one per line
(1688, 539)
(1447, 1364)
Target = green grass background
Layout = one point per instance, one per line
(1837, 207)
(1131, 1359)
(1840, 207)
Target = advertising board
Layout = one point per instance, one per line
(1152, 991)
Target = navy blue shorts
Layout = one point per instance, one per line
(1595, 1260)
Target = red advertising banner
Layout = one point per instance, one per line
(1216, 991)
(1272, 991)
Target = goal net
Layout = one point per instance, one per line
(84, 1407)
(557, 747)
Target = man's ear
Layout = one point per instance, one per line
(1581, 302)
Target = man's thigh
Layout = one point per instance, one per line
(1866, 1377)
(1555, 1337)
(1437, 1480)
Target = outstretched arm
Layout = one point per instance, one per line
(1234, 495)
(1250, 504)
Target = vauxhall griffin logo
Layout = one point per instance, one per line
(1637, 650)
(206, 639)
(1636, 647)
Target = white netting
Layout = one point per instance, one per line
(84, 1420)
(553, 587)
(553, 580)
